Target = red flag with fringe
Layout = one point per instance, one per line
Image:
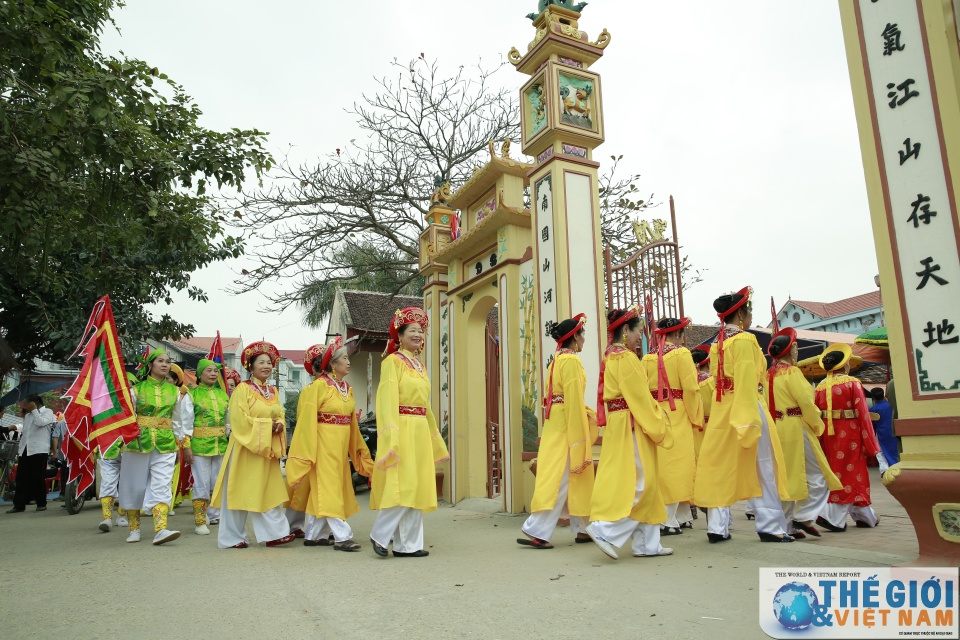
(776, 320)
(100, 412)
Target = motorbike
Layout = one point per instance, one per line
(74, 500)
(368, 430)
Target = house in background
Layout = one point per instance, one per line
(851, 315)
(367, 315)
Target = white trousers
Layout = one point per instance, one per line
(267, 526)
(296, 519)
(718, 520)
(836, 514)
(205, 472)
(318, 528)
(402, 525)
(768, 512)
(146, 480)
(646, 537)
(109, 478)
(677, 513)
(542, 524)
(817, 491)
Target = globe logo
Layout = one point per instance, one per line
(794, 605)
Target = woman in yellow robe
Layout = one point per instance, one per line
(741, 458)
(327, 435)
(408, 442)
(250, 480)
(565, 461)
(791, 402)
(680, 398)
(626, 497)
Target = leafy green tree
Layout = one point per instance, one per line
(104, 179)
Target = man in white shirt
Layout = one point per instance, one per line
(34, 450)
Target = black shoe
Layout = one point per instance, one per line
(750, 516)
(822, 522)
(17, 510)
(379, 550)
(806, 528)
(43, 508)
(422, 553)
(322, 542)
(716, 537)
(769, 537)
(671, 531)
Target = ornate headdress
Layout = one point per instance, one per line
(255, 349)
(231, 374)
(725, 306)
(177, 373)
(312, 353)
(578, 321)
(401, 317)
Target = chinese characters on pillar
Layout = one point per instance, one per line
(921, 215)
(543, 219)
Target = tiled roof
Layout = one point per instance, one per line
(700, 333)
(203, 343)
(372, 311)
(293, 355)
(841, 307)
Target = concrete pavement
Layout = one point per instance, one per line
(63, 579)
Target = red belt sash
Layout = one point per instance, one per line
(793, 412)
(333, 418)
(557, 399)
(676, 393)
(617, 404)
(412, 411)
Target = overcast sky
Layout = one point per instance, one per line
(741, 110)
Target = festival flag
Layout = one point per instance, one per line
(100, 413)
(648, 325)
(773, 312)
(216, 355)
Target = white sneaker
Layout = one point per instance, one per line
(122, 521)
(106, 525)
(165, 535)
(605, 546)
(665, 551)
(134, 536)
(172, 513)
(202, 530)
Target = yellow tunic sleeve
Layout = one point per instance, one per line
(745, 412)
(803, 393)
(359, 452)
(303, 450)
(388, 413)
(252, 433)
(646, 411)
(440, 452)
(578, 426)
(693, 403)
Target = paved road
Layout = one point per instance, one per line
(64, 579)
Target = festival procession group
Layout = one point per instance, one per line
(683, 431)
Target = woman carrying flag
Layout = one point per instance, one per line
(165, 423)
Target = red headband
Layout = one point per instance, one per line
(581, 319)
(706, 349)
(677, 327)
(791, 333)
(628, 315)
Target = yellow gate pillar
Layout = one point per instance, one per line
(562, 123)
(905, 75)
